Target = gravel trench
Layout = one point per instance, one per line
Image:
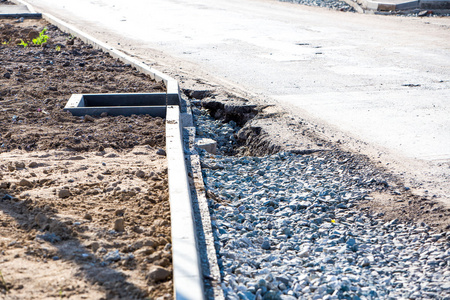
(331, 4)
(288, 227)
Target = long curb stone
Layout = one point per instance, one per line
(187, 275)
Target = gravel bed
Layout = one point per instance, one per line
(332, 4)
(343, 6)
(287, 227)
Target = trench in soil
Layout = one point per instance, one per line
(232, 126)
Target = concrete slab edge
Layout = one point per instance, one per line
(210, 265)
(355, 6)
(29, 7)
(31, 14)
(186, 264)
(212, 277)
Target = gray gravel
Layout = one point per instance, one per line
(287, 228)
(332, 4)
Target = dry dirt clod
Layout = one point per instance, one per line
(145, 251)
(19, 165)
(24, 182)
(88, 118)
(160, 222)
(11, 168)
(94, 246)
(88, 217)
(41, 220)
(33, 34)
(163, 262)
(119, 225)
(157, 273)
(140, 174)
(33, 164)
(151, 243)
(64, 193)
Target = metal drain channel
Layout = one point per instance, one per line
(153, 104)
(187, 274)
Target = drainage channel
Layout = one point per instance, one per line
(290, 226)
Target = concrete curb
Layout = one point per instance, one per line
(210, 266)
(371, 6)
(186, 270)
(187, 273)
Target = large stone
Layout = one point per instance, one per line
(157, 273)
(265, 245)
(208, 145)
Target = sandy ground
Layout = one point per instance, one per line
(84, 210)
(83, 225)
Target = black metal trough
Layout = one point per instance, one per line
(153, 104)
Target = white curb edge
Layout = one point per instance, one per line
(186, 263)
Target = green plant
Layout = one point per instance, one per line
(58, 48)
(42, 38)
(6, 42)
(23, 43)
(71, 39)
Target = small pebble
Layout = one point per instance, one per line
(88, 118)
(161, 152)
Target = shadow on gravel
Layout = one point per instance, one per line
(63, 236)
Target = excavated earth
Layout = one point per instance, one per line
(84, 210)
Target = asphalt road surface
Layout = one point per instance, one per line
(380, 80)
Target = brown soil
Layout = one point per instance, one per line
(84, 210)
